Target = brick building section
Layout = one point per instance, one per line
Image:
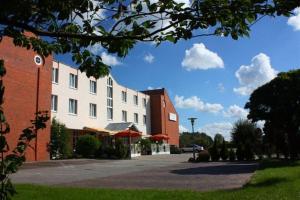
(20, 95)
(161, 108)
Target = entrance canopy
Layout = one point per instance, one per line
(100, 131)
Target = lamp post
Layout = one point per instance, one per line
(193, 119)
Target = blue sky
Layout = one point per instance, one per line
(211, 77)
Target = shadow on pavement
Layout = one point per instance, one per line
(225, 169)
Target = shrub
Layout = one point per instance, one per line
(175, 150)
(240, 155)
(87, 146)
(232, 155)
(110, 152)
(203, 156)
(145, 146)
(214, 152)
(224, 151)
(60, 146)
(121, 150)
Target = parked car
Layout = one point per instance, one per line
(191, 147)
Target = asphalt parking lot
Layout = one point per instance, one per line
(146, 172)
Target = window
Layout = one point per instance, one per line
(109, 113)
(93, 87)
(144, 119)
(144, 102)
(109, 98)
(135, 100)
(73, 106)
(54, 103)
(54, 75)
(73, 81)
(93, 110)
(136, 118)
(124, 96)
(124, 116)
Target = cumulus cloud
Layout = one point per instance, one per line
(109, 59)
(254, 75)
(236, 111)
(153, 88)
(224, 128)
(197, 104)
(182, 129)
(149, 58)
(199, 57)
(294, 21)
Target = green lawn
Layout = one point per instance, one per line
(274, 180)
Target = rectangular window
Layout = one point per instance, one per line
(54, 75)
(73, 81)
(54, 103)
(124, 116)
(109, 92)
(144, 119)
(135, 100)
(73, 106)
(93, 87)
(109, 113)
(144, 102)
(136, 118)
(124, 96)
(93, 110)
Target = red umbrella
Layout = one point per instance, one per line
(128, 133)
(159, 137)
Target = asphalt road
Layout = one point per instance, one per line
(146, 172)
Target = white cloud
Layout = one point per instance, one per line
(153, 88)
(197, 104)
(221, 87)
(95, 49)
(199, 57)
(254, 75)
(260, 124)
(224, 128)
(235, 111)
(182, 129)
(149, 58)
(109, 59)
(294, 21)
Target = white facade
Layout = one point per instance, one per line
(77, 107)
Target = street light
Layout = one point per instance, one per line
(193, 119)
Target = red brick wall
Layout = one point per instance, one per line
(20, 95)
(161, 106)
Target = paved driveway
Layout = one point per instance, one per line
(151, 172)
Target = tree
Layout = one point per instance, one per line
(74, 26)
(60, 146)
(214, 152)
(277, 102)
(188, 139)
(247, 138)
(224, 151)
(219, 140)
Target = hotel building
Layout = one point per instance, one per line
(83, 104)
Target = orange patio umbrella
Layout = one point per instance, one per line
(128, 133)
(159, 137)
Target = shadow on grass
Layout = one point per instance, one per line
(278, 163)
(243, 168)
(268, 182)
